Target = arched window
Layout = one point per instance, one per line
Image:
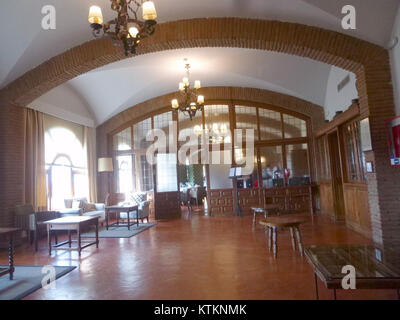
(66, 167)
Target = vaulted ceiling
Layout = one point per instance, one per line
(104, 92)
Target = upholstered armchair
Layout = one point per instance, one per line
(142, 213)
(32, 222)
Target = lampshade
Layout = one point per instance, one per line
(95, 15)
(197, 84)
(105, 165)
(175, 104)
(149, 10)
(200, 99)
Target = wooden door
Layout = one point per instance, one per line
(337, 176)
(166, 195)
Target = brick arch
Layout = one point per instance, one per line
(369, 62)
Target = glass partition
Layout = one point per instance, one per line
(270, 124)
(297, 163)
(271, 166)
(246, 118)
(294, 127)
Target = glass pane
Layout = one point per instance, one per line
(167, 179)
(220, 164)
(140, 131)
(246, 118)
(294, 127)
(247, 159)
(125, 177)
(143, 173)
(297, 164)
(162, 122)
(272, 166)
(123, 140)
(188, 127)
(351, 155)
(217, 123)
(61, 186)
(270, 124)
(81, 186)
(323, 159)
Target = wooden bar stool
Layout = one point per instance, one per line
(272, 224)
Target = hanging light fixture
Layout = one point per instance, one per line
(191, 102)
(126, 29)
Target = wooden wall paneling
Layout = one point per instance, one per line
(222, 202)
(357, 208)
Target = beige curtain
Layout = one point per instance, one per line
(90, 151)
(35, 167)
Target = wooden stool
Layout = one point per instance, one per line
(264, 211)
(273, 223)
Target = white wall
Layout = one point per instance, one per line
(65, 103)
(395, 63)
(339, 101)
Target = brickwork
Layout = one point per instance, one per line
(369, 62)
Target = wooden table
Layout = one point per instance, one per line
(264, 211)
(9, 233)
(272, 224)
(72, 223)
(118, 209)
(376, 268)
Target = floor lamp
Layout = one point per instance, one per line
(106, 165)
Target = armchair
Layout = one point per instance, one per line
(32, 222)
(40, 218)
(142, 213)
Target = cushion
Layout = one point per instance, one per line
(138, 197)
(87, 207)
(76, 204)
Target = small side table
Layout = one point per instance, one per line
(9, 232)
(272, 224)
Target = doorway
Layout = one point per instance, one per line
(337, 176)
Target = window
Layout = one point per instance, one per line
(140, 131)
(123, 140)
(270, 124)
(246, 118)
(167, 179)
(188, 127)
(271, 166)
(355, 158)
(294, 127)
(217, 123)
(297, 163)
(66, 167)
(323, 164)
(125, 174)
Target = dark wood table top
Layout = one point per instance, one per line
(283, 221)
(123, 207)
(70, 220)
(8, 230)
(375, 268)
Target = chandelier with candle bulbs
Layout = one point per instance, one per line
(126, 29)
(190, 101)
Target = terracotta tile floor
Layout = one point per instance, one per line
(200, 258)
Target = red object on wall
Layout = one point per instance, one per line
(396, 140)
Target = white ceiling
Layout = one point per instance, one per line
(25, 45)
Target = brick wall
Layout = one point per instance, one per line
(11, 160)
(369, 62)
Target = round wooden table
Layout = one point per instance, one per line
(272, 224)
